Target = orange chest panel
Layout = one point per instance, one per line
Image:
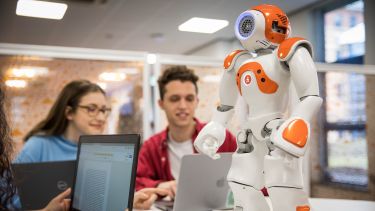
(265, 83)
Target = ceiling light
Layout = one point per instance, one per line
(127, 70)
(151, 58)
(28, 72)
(112, 76)
(16, 83)
(41, 9)
(203, 25)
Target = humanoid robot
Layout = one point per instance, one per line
(270, 143)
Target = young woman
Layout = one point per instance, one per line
(80, 109)
(9, 199)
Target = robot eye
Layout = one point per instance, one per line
(246, 26)
(277, 28)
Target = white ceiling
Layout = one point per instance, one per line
(140, 25)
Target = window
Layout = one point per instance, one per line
(339, 39)
(345, 129)
(353, 20)
(338, 21)
(346, 159)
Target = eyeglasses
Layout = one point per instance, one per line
(93, 110)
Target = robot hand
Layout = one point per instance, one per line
(290, 135)
(209, 139)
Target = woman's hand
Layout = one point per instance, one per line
(59, 203)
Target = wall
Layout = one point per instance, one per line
(370, 31)
(217, 49)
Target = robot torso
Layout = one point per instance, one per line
(263, 81)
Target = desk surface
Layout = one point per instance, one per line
(319, 204)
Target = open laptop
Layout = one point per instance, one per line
(202, 184)
(38, 183)
(105, 172)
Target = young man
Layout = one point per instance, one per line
(160, 156)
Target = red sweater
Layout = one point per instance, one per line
(153, 161)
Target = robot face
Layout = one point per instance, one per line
(245, 25)
(249, 29)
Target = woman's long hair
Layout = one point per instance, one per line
(56, 122)
(7, 188)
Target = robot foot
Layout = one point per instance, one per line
(303, 208)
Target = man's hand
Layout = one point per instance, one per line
(59, 203)
(170, 186)
(143, 199)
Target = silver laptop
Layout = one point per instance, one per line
(202, 184)
(105, 173)
(38, 183)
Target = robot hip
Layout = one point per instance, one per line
(248, 168)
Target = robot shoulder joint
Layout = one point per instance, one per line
(288, 47)
(230, 60)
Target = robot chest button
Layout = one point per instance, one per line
(247, 80)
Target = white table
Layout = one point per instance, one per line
(320, 204)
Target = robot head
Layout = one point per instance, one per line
(264, 26)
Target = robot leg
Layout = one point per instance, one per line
(247, 198)
(283, 178)
(288, 199)
(246, 177)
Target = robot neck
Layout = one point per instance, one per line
(263, 51)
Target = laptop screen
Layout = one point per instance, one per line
(104, 176)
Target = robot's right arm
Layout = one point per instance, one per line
(212, 136)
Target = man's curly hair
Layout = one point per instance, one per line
(180, 73)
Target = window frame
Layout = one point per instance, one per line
(326, 126)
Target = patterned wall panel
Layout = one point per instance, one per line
(45, 77)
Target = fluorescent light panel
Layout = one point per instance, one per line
(203, 25)
(151, 58)
(28, 72)
(127, 70)
(112, 76)
(16, 83)
(41, 9)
